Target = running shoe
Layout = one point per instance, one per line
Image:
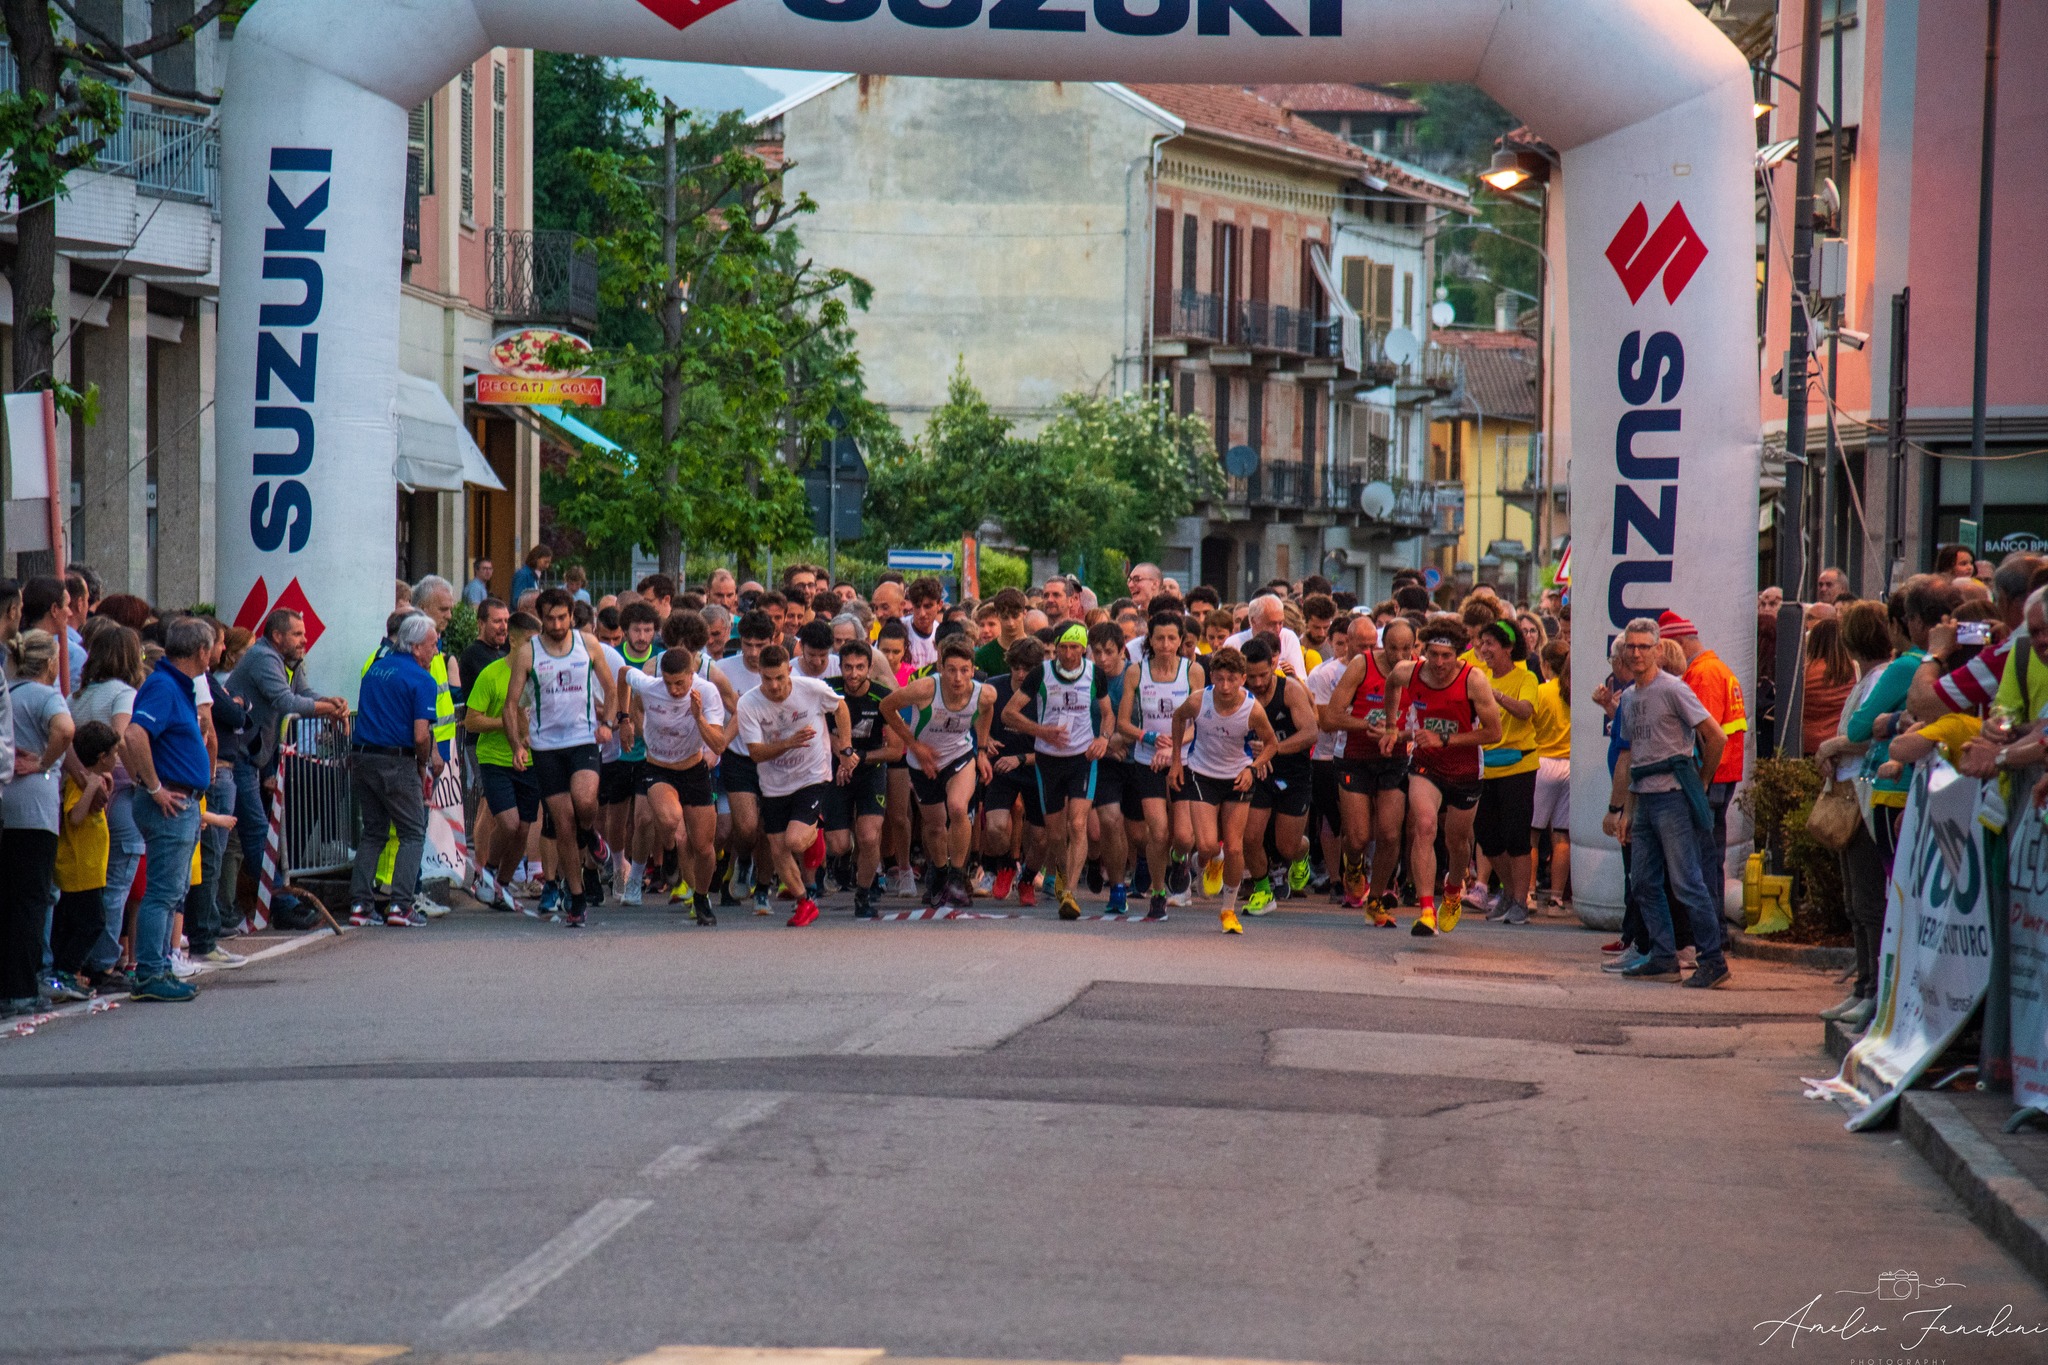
(550, 902)
(416, 917)
(703, 914)
(680, 896)
(1614, 947)
(163, 989)
(983, 883)
(1119, 898)
(1141, 879)
(1448, 914)
(1212, 878)
(761, 906)
(1230, 921)
(1070, 908)
(1158, 910)
(1425, 924)
(1353, 876)
(959, 891)
(1376, 910)
(428, 906)
(906, 883)
(842, 873)
(806, 912)
(1518, 913)
(1621, 962)
(631, 892)
(362, 914)
(863, 904)
(1027, 893)
(1298, 874)
(1260, 902)
(183, 967)
(574, 918)
(484, 886)
(935, 886)
(216, 956)
(1176, 875)
(1005, 879)
(64, 986)
(504, 902)
(397, 918)
(1183, 897)
(1502, 904)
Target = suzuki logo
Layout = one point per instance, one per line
(257, 605)
(683, 13)
(1638, 254)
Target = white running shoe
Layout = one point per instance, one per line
(984, 882)
(182, 965)
(484, 886)
(630, 894)
(218, 956)
(428, 906)
(906, 883)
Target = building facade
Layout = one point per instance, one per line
(1486, 454)
(1906, 180)
(1058, 236)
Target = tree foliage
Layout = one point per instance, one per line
(751, 348)
(1106, 473)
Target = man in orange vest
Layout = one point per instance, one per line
(1718, 690)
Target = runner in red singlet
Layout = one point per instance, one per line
(1372, 783)
(1447, 714)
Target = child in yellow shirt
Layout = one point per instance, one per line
(81, 916)
(1948, 733)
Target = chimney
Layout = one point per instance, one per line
(1507, 311)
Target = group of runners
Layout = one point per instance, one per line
(729, 748)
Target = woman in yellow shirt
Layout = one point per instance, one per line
(1554, 767)
(1507, 796)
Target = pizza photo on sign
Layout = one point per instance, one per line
(524, 352)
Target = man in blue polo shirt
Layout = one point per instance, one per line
(166, 755)
(391, 754)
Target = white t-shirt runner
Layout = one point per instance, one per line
(762, 721)
(743, 680)
(672, 735)
(1322, 685)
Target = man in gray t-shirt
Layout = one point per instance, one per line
(1657, 804)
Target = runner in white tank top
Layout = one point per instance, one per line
(1216, 776)
(684, 735)
(1149, 704)
(947, 740)
(573, 704)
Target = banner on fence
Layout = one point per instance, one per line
(2027, 879)
(1936, 953)
(446, 855)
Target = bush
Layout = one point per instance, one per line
(1778, 800)
(461, 632)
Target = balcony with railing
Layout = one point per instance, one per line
(415, 179)
(541, 275)
(1251, 324)
(169, 149)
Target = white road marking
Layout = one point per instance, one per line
(683, 1156)
(515, 1288)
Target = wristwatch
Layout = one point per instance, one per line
(1614, 810)
(848, 752)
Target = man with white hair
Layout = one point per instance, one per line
(391, 749)
(1268, 616)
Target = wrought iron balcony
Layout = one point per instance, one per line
(415, 177)
(540, 275)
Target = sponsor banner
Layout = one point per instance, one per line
(1935, 957)
(587, 390)
(2026, 879)
(446, 855)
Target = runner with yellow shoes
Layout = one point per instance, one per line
(1218, 771)
(1448, 715)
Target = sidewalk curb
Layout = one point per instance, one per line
(1999, 1199)
(1795, 954)
(27, 1025)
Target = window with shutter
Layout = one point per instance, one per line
(419, 144)
(1259, 281)
(466, 137)
(498, 144)
(1255, 414)
(1162, 272)
(1308, 426)
(1407, 300)
(1222, 412)
(1355, 278)
(1190, 247)
(1383, 296)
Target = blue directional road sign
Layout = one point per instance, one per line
(924, 561)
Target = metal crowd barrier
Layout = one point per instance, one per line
(319, 814)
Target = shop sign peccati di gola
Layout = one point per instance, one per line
(524, 376)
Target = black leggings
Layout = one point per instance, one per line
(30, 859)
(1866, 874)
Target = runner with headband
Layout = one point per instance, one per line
(1070, 725)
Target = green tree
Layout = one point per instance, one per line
(943, 485)
(753, 348)
(56, 120)
(1457, 133)
(1128, 467)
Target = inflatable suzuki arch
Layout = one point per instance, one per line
(1649, 106)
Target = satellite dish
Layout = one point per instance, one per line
(1830, 206)
(1441, 314)
(1376, 499)
(1240, 462)
(1400, 346)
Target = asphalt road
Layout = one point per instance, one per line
(495, 1139)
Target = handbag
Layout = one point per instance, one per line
(1835, 814)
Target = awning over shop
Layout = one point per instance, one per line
(435, 449)
(581, 430)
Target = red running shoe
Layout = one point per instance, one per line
(1027, 892)
(806, 913)
(1613, 947)
(1004, 881)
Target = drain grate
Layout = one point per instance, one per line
(1471, 974)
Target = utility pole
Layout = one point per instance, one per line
(1986, 167)
(1792, 511)
(1832, 467)
(1895, 441)
(671, 549)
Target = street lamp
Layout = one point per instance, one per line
(1505, 172)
